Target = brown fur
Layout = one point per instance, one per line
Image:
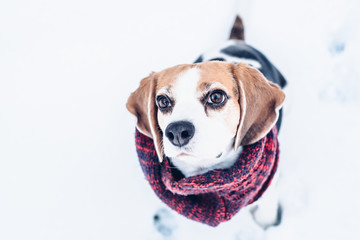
(141, 104)
(259, 103)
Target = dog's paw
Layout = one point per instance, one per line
(164, 222)
(267, 218)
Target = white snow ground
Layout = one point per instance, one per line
(68, 166)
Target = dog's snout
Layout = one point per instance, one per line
(180, 133)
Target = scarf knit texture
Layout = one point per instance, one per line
(216, 196)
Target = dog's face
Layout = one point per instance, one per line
(197, 113)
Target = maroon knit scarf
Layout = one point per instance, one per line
(215, 196)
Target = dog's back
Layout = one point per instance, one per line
(237, 50)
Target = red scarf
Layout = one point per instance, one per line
(215, 196)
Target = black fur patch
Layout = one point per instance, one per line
(199, 59)
(236, 51)
(218, 59)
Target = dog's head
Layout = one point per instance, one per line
(196, 112)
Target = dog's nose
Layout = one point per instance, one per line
(180, 133)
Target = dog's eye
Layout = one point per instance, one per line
(217, 97)
(163, 102)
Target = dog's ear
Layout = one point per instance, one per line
(260, 101)
(141, 103)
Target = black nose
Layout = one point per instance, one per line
(180, 133)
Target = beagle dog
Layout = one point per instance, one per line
(200, 115)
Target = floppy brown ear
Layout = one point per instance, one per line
(141, 103)
(260, 102)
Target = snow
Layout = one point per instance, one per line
(68, 166)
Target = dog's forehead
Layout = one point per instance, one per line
(216, 73)
(210, 73)
(167, 77)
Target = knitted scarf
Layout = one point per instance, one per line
(215, 196)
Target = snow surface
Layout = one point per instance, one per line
(68, 166)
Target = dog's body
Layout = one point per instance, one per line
(199, 115)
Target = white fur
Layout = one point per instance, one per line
(212, 136)
(265, 210)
